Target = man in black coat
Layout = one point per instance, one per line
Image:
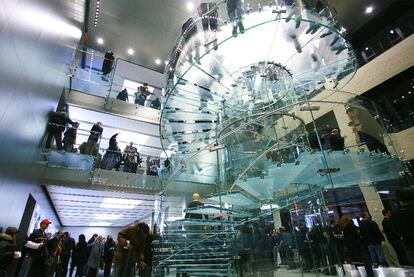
(123, 95)
(372, 238)
(68, 247)
(56, 126)
(109, 252)
(394, 237)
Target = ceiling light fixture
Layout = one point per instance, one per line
(130, 51)
(120, 203)
(190, 6)
(392, 32)
(100, 41)
(157, 61)
(369, 9)
(366, 48)
(95, 22)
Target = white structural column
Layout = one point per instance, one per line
(277, 221)
(373, 202)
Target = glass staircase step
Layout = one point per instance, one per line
(211, 210)
(237, 198)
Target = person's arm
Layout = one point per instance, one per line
(122, 238)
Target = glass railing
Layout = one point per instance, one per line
(102, 74)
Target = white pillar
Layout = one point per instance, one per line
(373, 202)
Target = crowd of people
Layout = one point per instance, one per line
(140, 97)
(42, 254)
(113, 157)
(323, 245)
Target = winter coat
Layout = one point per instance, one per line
(137, 245)
(80, 254)
(7, 247)
(109, 251)
(94, 259)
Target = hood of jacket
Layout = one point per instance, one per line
(4, 236)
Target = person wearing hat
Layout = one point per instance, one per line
(8, 251)
(35, 249)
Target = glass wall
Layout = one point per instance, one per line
(274, 192)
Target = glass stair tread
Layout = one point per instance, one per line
(201, 222)
(210, 210)
(237, 198)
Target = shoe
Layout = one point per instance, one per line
(234, 32)
(334, 41)
(326, 34)
(241, 27)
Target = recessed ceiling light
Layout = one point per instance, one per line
(100, 41)
(369, 9)
(190, 6)
(392, 32)
(157, 61)
(366, 48)
(130, 51)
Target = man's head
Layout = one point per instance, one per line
(99, 238)
(131, 143)
(75, 124)
(365, 216)
(60, 234)
(109, 238)
(196, 196)
(11, 231)
(44, 224)
(99, 123)
(143, 229)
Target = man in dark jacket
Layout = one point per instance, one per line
(79, 257)
(8, 252)
(394, 237)
(95, 134)
(109, 252)
(68, 247)
(55, 127)
(35, 249)
(69, 138)
(372, 238)
(130, 249)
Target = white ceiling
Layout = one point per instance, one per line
(151, 27)
(84, 207)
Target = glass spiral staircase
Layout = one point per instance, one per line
(236, 117)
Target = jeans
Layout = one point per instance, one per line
(57, 134)
(377, 254)
(235, 9)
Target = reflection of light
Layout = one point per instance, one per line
(174, 218)
(100, 224)
(120, 203)
(190, 6)
(384, 191)
(108, 216)
(369, 9)
(130, 51)
(392, 32)
(269, 206)
(40, 18)
(157, 61)
(100, 41)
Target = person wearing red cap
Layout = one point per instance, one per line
(35, 252)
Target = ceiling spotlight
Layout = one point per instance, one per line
(190, 6)
(157, 61)
(366, 48)
(100, 41)
(369, 9)
(392, 32)
(130, 51)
